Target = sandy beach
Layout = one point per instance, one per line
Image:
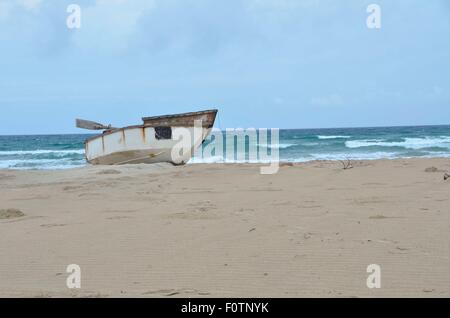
(310, 230)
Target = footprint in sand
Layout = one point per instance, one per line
(378, 217)
(72, 188)
(11, 214)
(197, 211)
(6, 177)
(109, 171)
(202, 206)
(89, 195)
(53, 225)
(433, 169)
(120, 217)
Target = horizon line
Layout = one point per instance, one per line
(320, 128)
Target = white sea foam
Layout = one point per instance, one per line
(408, 143)
(40, 152)
(219, 159)
(206, 159)
(333, 137)
(277, 146)
(356, 156)
(53, 164)
(310, 157)
(41, 159)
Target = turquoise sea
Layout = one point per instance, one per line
(295, 145)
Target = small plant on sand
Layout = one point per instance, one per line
(446, 176)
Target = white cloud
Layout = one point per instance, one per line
(330, 100)
(281, 4)
(110, 24)
(5, 9)
(31, 5)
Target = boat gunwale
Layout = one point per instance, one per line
(202, 112)
(143, 126)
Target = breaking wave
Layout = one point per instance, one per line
(407, 143)
(41, 152)
(333, 137)
(298, 145)
(277, 146)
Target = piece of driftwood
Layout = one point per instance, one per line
(347, 164)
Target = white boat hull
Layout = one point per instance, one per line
(139, 144)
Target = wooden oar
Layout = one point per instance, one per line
(91, 125)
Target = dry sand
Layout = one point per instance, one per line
(227, 231)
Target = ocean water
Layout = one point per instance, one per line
(42, 151)
(294, 145)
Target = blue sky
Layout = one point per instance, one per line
(263, 63)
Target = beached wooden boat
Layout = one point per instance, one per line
(158, 139)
